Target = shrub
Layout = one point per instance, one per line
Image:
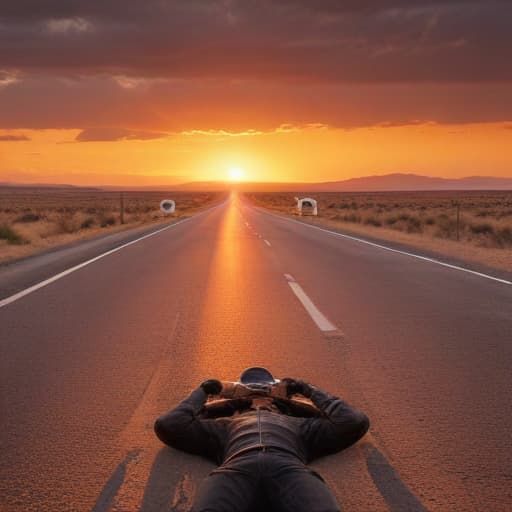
(87, 223)
(390, 221)
(352, 217)
(28, 217)
(107, 221)
(9, 234)
(447, 227)
(372, 221)
(414, 225)
(503, 237)
(67, 224)
(481, 229)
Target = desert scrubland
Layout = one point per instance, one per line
(424, 220)
(35, 219)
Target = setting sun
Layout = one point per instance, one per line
(236, 174)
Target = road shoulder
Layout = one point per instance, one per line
(422, 252)
(25, 272)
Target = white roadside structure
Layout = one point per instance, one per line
(167, 206)
(307, 206)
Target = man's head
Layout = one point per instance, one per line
(257, 377)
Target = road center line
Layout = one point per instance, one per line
(60, 275)
(318, 317)
(390, 249)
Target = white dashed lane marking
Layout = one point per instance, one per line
(317, 316)
(391, 249)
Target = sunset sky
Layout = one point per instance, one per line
(144, 92)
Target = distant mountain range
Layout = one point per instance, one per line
(382, 183)
(397, 182)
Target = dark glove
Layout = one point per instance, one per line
(297, 387)
(212, 386)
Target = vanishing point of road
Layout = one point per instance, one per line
(89, 359)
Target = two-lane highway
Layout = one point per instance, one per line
(88, 361)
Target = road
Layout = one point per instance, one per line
(88, 361)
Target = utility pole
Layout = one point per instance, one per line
(458, 221)
(121, 208)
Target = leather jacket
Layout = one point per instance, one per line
(223, 439)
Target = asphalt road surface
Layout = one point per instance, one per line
(88, 361)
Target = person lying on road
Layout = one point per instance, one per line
(262, 440)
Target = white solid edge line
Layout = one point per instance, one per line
(60, 275)
(318, 317)
(411, 254)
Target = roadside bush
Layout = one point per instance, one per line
(481, 229)
(67, 224)
(503, 237)
(109, 220)
(447, 228)
(10, 235)
(28, 217)
(87, 223)
(390, 221)
(413, 225)
(372, 221)
(351, 217)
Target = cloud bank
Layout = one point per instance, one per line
(253, 64)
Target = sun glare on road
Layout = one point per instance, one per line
(236, 174)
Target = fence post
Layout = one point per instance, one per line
(121, 209)
(458, 220)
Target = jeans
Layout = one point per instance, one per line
(267, 479)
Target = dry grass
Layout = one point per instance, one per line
(427, 220)
(34, 219)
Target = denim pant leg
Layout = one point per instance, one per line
(231, 487)
(225, 492)
(295, 488)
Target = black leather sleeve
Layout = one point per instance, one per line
(339, 427)
(183, 429)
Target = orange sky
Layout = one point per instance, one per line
(302, 154)
(156, 92)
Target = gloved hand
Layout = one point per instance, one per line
(297, 387)
(212, 386)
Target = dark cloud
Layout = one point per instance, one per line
(104, 134)
(178, 105)
(167, 65)
(13, 138)
(343, 41)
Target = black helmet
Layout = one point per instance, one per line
(256, 377)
